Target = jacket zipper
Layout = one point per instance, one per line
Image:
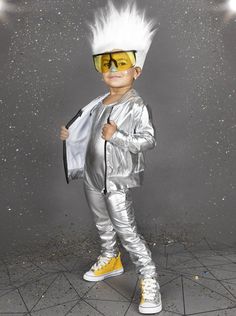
(105, 157)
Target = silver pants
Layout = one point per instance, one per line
(113, 214)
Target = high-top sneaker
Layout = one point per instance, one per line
(150, 302)
(104, 268)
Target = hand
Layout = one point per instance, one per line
(108, 130)
(64, 133)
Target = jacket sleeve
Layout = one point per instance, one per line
(143, 137)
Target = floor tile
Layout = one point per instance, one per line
(217, 286)
(32, 292)
(201, 299)
(214, 260)
(166, 276)
(4, 277)
(222, 312)
(57, 310)
(231, 287)
(12, 303)
(21, 272)
(202, 245)
(184, 260)
(199, 279)
(102, 290)
(194, 272)
(68, 262)
(172, 298)
(83, 308)
(224, 272)
(80, 285)
(124, 284)
(175, 248)
(231, 257)
(51, 266)
(60, 291)
(109, 307)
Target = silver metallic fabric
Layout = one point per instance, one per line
(124, 152)
(94, 162)
(111, 168)
(114, 216)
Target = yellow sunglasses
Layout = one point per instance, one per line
(122, 59)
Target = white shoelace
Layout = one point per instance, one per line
(149, 288)
(101, 262)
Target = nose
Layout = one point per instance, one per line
(113, 67)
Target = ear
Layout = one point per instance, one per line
(138, 71)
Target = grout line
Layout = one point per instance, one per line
(44, 292)
(206, 287)
(188, 274)
(176, 277)
(116, 290)
(86, 302)
(72, 307)
(28, 311)
(34, 280)
(52, 306)
(207, 242)
(182, 286)
(33, 263)
(71, 284)
(8, 272)
(211, 311)
(217, 278)
(167, 257)
(132, 297)
(209, 265)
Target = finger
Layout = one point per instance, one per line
(112, 123)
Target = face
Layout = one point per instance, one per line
(118, 79)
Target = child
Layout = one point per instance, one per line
(105, 143)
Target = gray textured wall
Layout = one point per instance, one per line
(189, 82)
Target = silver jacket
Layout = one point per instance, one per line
(123, 152)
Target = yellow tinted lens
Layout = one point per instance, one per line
(122, 61)
(102, 62)
(97, 62)
(105, 63)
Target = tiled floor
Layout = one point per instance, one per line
(195, 280)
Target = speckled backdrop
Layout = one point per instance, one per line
(189, 80)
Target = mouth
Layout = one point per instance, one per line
(113, 77)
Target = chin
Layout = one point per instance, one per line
(117, 84)
(114, 85)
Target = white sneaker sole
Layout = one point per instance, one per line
(150, 310)
(104, 276)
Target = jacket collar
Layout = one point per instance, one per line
(130, 93)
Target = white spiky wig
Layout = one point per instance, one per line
(125, 29)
